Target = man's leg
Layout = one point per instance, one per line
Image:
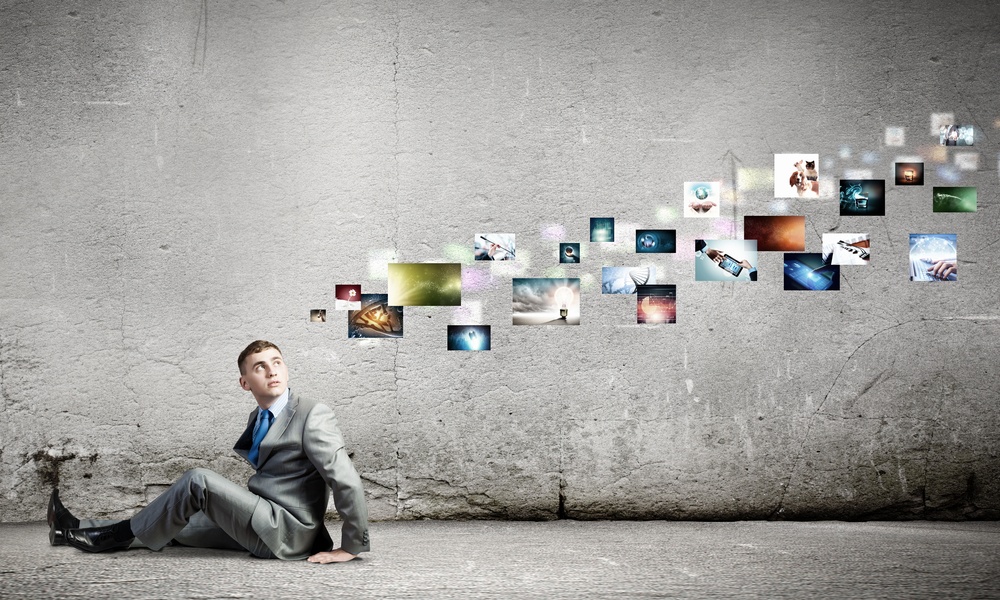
(226, 505)
(226, 508)
(202, 532)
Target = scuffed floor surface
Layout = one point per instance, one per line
(561, 559)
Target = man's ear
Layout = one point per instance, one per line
(244, 384)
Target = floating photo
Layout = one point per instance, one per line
(494, 246)
(862, 197)
(469, 337)
(895, 136)
(701, 199)
(569, 252)
(725, 260)
(933, 257)
(955, 135)
(347, 297)
(656, 304)
(909, 173)
(655, 241)
(776, 234)
(807, 271)
(602, 229)
(317, 315)
(623, 280)
(846, 249)
(967, 161)
(375, 319)
(425, 284)
(796, 175)
(545, 301)
(955, 199)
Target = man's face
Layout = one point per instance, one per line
(265, 375)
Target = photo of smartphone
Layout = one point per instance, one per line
(729, 264)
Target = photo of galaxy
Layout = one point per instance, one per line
(656, 304)
(806, 271)
(545, 301)
(469, 337)
(425, 284)
(862, 197)
(375, 319)
(776, 234)
(648, 241)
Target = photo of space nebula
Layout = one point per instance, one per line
(469, 337)
(776, 233)
(425, 284)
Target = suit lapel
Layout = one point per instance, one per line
(243, 444)
(277, 428)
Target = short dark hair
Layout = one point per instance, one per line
(254, 347)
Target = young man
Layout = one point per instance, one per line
(298, 452)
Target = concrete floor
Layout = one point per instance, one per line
(560, 559)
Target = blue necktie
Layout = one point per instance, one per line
(263, 424)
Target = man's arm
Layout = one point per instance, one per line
(324, 446)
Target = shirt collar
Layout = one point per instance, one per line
(277, 407)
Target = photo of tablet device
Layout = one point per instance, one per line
(729, 264)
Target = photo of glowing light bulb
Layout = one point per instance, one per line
(564, 296)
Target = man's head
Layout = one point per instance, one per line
(263, 372)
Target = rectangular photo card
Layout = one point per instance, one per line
(569, 252)
(602, 229)
(469, 337)
(862, 197)
(656, 304)
(955, 199)
(702, 199)
(651, 241)
(494, 246)
(725, 260)
(956, 135)
(796, 175)
(624, 280)
(909, 173)
(806, 271)
(425, 284)
(933, 257)
(846, 249)
(783, 233)
(545, 301)
(375, 319)
(347, 297)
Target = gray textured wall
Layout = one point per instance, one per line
(178, 178)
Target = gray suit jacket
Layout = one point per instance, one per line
(302, 458)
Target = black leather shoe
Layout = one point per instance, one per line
(59, 520)
(95, 539)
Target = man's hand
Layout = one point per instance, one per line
(338, 555)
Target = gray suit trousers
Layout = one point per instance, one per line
(201, 509)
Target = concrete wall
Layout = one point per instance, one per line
(179, 178)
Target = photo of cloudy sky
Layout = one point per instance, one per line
(546, 301)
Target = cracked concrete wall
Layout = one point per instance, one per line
(181, 178)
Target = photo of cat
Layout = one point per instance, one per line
(801, 174)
